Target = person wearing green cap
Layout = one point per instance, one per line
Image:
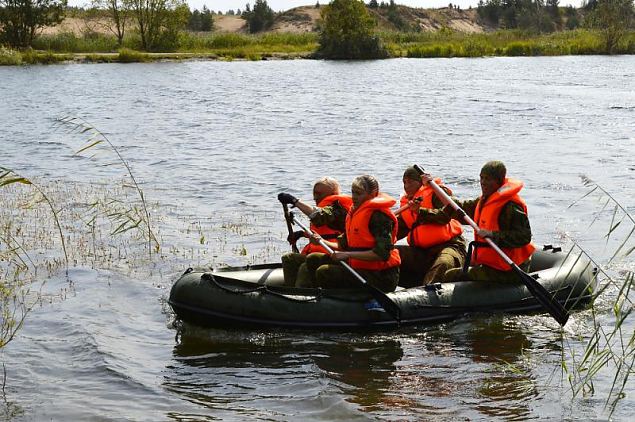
(435, 240)
(501, 215)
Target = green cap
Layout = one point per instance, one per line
(495, 169)
(412, 173)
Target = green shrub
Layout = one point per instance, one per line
(518, 48)
(131, 56)
(68, 42)
(30, 56)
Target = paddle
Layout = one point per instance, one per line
(387, 303)
(540, 293)
(289, 220)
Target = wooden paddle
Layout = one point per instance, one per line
(289, 220)
(387, 303)
(557, 311)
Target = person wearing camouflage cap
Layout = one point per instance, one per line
(435, 241)
(501, 215)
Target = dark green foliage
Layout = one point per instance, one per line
(159, 22)
(613, 19)
(259, 19)
(20, 20)
(531, 15)
(347, 32)
(553, 9)
(395, 18)
(372, 4)
(202, 21)
(572, 21)
(490, 11)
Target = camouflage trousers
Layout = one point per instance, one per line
(424, 266)
(484, 273)
(323, 272)
(294, 269)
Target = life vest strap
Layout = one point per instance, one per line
(471, 246)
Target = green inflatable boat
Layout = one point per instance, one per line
(254, 296)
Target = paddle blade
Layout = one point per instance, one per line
(555, 309)
(389, 306)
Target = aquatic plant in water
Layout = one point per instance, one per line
(608, 348)
(126, 217)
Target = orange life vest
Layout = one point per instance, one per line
(359, 236)
(486, 217)
(427, 235)
(325, 231)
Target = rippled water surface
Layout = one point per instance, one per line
(212, 143)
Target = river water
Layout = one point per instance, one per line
(212, 143)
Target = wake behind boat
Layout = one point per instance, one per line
(254, 296)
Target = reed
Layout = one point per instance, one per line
(608, 348)
(9, 177)
(126, 218)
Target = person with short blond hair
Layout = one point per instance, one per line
(367, 244)
(328, 218)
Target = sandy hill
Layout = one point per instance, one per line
(304, 19)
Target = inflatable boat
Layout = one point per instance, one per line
(254, 296)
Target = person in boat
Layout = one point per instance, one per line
(367, 244)
(328, 218)
(501, 215)
(435, 240)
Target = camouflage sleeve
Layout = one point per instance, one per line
(380, 225)
(333, 216)
(342, 242)
(437, 215)
(514, 229)
(402, 229)
(469, 206)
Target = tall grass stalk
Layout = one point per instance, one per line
(127, 219)
(608, 348)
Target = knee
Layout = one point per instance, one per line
(453, 274)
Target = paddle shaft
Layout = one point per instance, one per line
(418, 199)
(288, 219)
(540, 293)
(391, 307)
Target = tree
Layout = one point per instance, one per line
(159, 22)
(553, 7)
(201, 21)
(347, 32)
(261, 18)
(21, 20)
(572, 17)
(372, 4)
(120, 13)
(612, 18)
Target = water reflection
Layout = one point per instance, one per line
(245, 372)
(475, 367)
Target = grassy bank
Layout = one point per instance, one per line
(502, 43)
(231, 46)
